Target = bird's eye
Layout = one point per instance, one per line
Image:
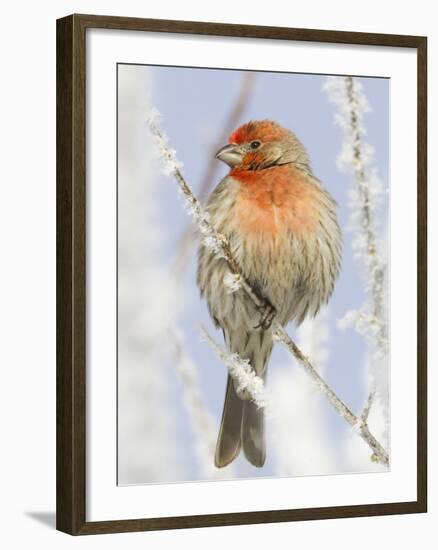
(255, 144)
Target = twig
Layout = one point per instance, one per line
(220, 246)
(357, 157)
(356, 422)
(366, 412)
(375, 268)
(186, 240)
(234, 116)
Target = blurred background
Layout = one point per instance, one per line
(170, 383)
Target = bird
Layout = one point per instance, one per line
(283, 230)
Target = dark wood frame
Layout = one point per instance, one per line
(71, 266)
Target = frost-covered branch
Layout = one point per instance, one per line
(232, 282)
(357, 423)
(220, 246)
(357, 157)
(366, 412)
(241, 372)
(365, 198)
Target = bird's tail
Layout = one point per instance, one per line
(243, 423)
(228, 441)
(253, 433)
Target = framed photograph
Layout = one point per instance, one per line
(235, 200)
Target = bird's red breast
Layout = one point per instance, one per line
(274, 200)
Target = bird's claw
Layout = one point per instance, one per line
(268, 313)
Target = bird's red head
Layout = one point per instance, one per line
(262, 130)
(260, 144)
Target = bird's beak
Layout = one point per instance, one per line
(230, 154)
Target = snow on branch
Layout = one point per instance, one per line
(241, 372)
(219, 245)
(232, 282)
(357, 157)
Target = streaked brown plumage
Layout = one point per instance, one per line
(283, 230)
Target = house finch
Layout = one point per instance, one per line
(283, 231)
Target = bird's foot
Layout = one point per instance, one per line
(268, 313)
